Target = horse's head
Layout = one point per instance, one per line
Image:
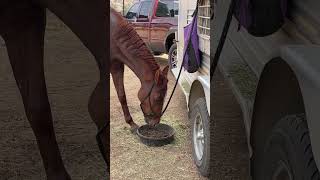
(152, 97)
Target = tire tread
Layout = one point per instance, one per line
(300, 125)
(200, 104)
(292, 134)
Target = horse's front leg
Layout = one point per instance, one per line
(24, 36)
(89, 21)
(97, 109)
(117, 71)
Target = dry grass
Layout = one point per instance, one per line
(131, 159)
(71, 74)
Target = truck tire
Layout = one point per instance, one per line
(287, 153)
(172, 56)
(200, 135)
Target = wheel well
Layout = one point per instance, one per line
(169, 41)
(196, 91)
(278, 95)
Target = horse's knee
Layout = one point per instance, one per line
(94, 111)
(91, 102)
(97, 108)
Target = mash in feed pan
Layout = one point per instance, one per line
(158, 135)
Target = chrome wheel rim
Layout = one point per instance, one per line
(198, 137)
(173, 59)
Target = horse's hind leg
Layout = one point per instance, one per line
(25, 39)
(117, 70)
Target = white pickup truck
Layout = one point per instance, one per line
(196, 86)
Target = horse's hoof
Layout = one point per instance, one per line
(134, 128)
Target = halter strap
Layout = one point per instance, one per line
(149, 93)
(148, 97)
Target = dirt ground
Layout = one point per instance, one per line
(130, 159)
(71, 75)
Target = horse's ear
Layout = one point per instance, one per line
(165, 71)
(157, 76)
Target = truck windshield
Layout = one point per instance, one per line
(167, 8)
(133, 11)
(145, 9)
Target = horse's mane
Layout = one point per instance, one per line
(128, 37)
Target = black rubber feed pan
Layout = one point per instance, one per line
(159, 135)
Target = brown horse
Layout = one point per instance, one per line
(22, 26)
(129, 49)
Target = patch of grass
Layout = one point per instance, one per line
(131, 159)
(245, 80)
(154, 162)
(185, 85)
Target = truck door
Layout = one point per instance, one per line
(163, 18)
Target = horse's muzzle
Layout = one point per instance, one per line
(152, 121)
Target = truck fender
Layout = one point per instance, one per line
(200, 88)
(304, 61)
(170, 36)
(289, 84)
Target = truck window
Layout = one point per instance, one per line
(133, 11)
(167, 8)
(145, 9)
(176, 8)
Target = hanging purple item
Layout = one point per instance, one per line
(192, 56)
(261, 17)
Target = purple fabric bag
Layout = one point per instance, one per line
(243, 13)
(192, 56)
(261, 17)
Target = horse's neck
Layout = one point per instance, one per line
(143, 70)
(136, 54)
